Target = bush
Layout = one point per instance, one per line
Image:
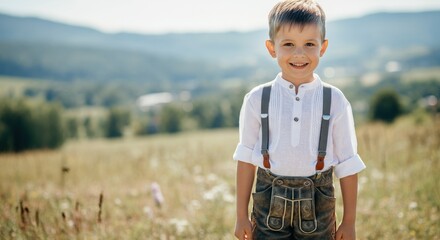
(171, 119)
(118, 119)
(24, 126)
(385, 106)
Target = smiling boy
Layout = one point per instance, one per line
(310, 137)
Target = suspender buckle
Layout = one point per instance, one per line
(320, 162)
(266, 162)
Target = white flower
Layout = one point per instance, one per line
(134, 192)
(70, 223)
(65, 205)
(220, 191)
(180, 224)
(149, 212)
(413, 205)
(118, 202)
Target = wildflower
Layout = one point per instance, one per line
(376, 174)
(64, 205)
(149, 212)
(220, 191)
(227, 197)
(134, 193)
(70, 223)
(212, 177)
(157, 194)
(195, 205)
(180, 224)
(413, 205)
(118, 202)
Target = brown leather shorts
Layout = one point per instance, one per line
(294, 207)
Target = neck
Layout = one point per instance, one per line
(297, 82)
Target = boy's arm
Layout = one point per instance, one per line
(349, 188)
(245, 180)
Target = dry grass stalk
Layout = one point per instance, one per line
(37, 218)
(23, 221)
(26, 215)
(77, 218)
(101, 199)
(63, 215)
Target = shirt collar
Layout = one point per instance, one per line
(305, 86)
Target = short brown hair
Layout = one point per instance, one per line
(296, 12)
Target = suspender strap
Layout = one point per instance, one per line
(323, 136)
(265, 125)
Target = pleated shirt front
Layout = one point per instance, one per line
(294, 129)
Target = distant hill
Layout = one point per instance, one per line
(369, 42)
(188, 45)
(35, 47)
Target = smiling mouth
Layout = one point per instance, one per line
(298, 65)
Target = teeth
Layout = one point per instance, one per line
(299, 64)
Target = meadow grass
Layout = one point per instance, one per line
(57, 194)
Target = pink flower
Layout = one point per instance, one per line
(157, 194)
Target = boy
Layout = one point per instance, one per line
(296, 133)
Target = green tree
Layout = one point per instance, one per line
(118, 119)
(385, 106)
(171, 119)
(17, 133)
(72, 127)
(26, 126)
(49, 125)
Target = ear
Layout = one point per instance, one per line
(271, 48)
(323, 47)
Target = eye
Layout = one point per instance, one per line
(288, 44)
(310, 44)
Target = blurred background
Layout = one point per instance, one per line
(110, 69)
(114, 84)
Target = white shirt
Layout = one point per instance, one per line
(294, 128)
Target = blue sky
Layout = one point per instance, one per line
(163, 16)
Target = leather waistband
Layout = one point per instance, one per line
(325, 179)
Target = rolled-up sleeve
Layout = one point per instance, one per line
(345, 144)
(249, 126)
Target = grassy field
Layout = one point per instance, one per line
(102, 189)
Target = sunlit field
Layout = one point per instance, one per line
(107, 189)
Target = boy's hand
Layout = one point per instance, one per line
(346, 232)
(243, 229)
(245, 180)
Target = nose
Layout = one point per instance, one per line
(298, 51)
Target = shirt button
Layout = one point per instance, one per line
(291, 86)
(296, 119)
(297, 98)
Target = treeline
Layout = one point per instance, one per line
(77, 94)
(29, 126)
(30, 123)
(412, 91)
(38, 116)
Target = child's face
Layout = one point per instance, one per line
(297, 51)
